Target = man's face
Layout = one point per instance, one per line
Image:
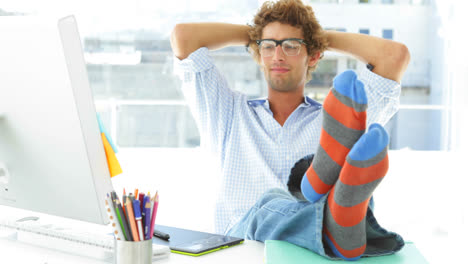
(284, 73)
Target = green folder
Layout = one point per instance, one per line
(282, 252)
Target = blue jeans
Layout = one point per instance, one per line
(278, 215)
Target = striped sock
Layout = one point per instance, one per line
(344, 122)
(345, 212)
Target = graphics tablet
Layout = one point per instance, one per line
(194, 243)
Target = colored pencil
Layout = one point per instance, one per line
(147, 210)
(122, 218)
(131, 218)
(155, 211)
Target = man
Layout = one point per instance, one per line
(258, 141)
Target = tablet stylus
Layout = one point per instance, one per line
(161, 235)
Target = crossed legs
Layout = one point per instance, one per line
(349, 164)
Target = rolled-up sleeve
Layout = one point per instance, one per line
(383, 97)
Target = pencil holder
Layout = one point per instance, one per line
(129, 252)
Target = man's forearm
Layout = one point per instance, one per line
(389, 58)
(186, 38)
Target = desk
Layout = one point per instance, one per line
(16, 252)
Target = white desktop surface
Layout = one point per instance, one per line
(17, 252)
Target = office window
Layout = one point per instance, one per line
(169, 126)
(137, 93)
(322, 79)
(364, 31)
(351, 64)
(387, 33)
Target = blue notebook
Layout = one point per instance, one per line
(282, 252)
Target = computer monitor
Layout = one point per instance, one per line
(52, 158)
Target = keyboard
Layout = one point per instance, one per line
(97, 245)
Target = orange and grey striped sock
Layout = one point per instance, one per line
(344, 122)
(346, 208)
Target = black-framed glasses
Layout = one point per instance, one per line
(290, 46)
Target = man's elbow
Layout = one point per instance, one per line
(180, 37)
(396, 58)
(402, 57)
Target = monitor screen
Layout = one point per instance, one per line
(52, 158)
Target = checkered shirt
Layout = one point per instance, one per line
(254, 151)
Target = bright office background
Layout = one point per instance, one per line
(126, 44)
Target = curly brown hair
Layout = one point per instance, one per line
(296, 14)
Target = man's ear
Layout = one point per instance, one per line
(314, 59)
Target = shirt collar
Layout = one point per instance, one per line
(308, 102)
